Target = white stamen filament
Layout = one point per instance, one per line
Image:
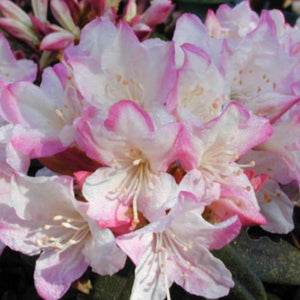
(138, 177)
(63, 232)
(162, 261)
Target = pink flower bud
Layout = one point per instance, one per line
(63, 15)
(10, 10)
(19, 30)
(40, 8)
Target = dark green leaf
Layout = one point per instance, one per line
(116, 287)
(273, 262)
(248, 285)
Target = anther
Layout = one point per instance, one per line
(161, 249)
(58, 245)
(215, 105)
(39, 242)
(67, 225)
(136, 162)
(150, 185)
(267, 198)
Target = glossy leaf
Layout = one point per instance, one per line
(273, 262)
(248, 285)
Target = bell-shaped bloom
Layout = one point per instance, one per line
(43, 115)
(260, 80)
(224, 140)
(68, 241)
(176, 249)
(137, 155)
(110, 64)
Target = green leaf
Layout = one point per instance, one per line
(248, 285)
(273, 262)
(116, 287)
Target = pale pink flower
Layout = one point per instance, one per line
(261, 80)
(136, 156)
(176, 249)
(223, 141)
(41, 215)
(46, 128)
(110, 64)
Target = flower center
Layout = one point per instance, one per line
(63, 232)
(139, 179)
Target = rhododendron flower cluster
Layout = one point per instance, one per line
(50, 37)
(159, 151)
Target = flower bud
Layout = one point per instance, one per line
(63, 15)
(10, 10)
(40, 8)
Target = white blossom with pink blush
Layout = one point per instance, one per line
(253, 76)
(176, 249)
(120, 67)
(137, 156)
(224, 140)
(66, 238)
(47, 128)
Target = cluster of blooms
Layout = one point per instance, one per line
(71, 15)
(156, 150)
